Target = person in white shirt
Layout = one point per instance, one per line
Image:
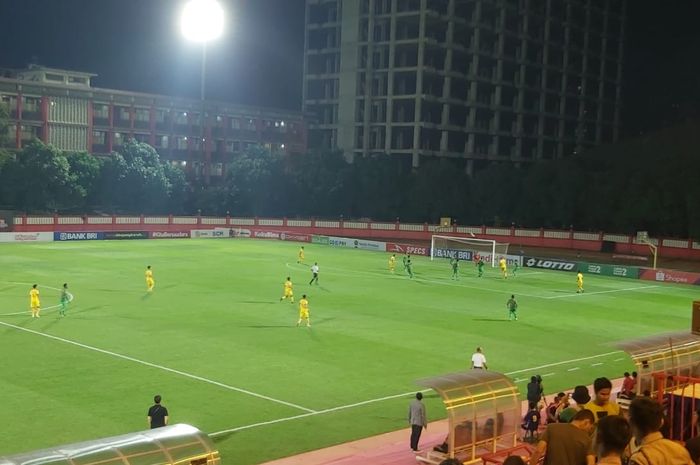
(314, 272)
(479, 360)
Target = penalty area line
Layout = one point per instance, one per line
(599, 292)
(160, 367)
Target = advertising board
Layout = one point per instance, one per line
(78, 236)
(407, 249)
(316, 239)
(169, 235)
(609, 270)
(209, 233)
(124, 235)
(669, 276)
(26, 237)
(357, 243)
(549, 264)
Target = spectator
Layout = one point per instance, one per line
(157, 414)
(602, 406)
(568, 414)
(531, 422)
(567, 443)
(628, 385)
(553, 407)
(612, 438)
(646, 419)
(479, 360)
(514, 460)
(581, 396)
(693, 446)
(417, 419)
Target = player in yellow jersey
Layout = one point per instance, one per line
(288, 292)
(304, 311)
(392, 263)
(579, 282)
(504, 267)
(300, 255)
(150, 282)
(34, 302)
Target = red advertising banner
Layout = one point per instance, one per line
(392, 247)
(669, 276)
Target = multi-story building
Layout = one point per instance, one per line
(478, 80)
(61, 108)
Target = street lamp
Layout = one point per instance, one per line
(202, 21)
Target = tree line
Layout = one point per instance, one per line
(641, 184)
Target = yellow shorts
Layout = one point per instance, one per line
(288, 294)
(150, 282)
(35, 304)
(304, 315)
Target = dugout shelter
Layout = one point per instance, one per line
(177, 444)
(483, 413)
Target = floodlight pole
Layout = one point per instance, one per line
(202, 117)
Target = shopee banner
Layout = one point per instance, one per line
(669, 276)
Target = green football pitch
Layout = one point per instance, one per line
(215, 341)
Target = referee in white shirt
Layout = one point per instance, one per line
(479, 360)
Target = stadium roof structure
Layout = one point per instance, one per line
(176, 444)
(675, 354)
(483, 412)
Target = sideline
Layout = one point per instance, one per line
(395, 396)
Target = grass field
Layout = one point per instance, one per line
(216, 343)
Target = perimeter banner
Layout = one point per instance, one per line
(609, 270)
(669, 276)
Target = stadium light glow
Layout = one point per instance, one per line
(202, 20)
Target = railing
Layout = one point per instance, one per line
(567, 239)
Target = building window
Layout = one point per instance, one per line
(54, 77)
(162, 142)
(235, 123)
(118, 138)
(232, 146)
(181, 118)
(29, 132)
(181, 143)
(249, 124)
(100, 110)
(77, 80)
(160, 116)
(99, 137)
(142, 115)
(30, 104)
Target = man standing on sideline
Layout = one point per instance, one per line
(157, 414)
(512, 307)
(314, 274)
(479, 360)
(417, 419)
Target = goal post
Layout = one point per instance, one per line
(466, 248)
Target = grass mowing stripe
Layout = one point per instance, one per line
(395, 396)
(160, 367)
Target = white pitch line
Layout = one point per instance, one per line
(599, 292)
(27, 312)
(160, 367)
(548, 374)
(618, 359)
(596, 364)
(380, 399)
(573, 369)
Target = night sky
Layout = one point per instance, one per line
(136, 45)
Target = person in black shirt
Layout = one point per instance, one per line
(157, 415)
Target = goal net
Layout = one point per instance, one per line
(466, 248)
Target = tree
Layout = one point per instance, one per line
(253, 184)
(135, 180)
(85, 171)
(39, 179)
